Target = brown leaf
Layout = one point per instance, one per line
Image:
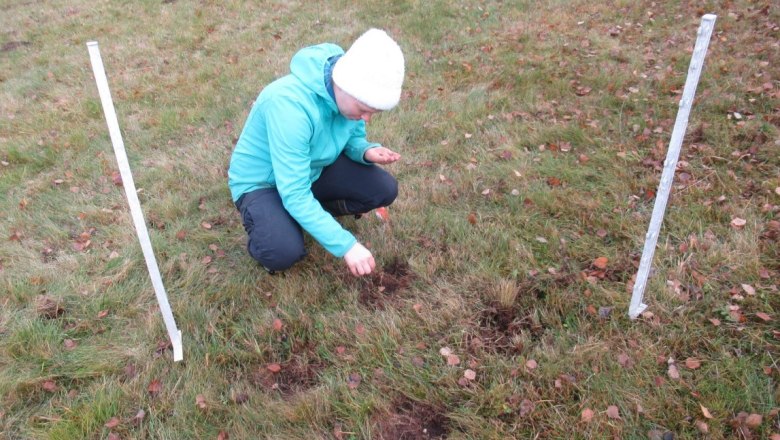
(764, 317)
(472, 218)
(102, 314)
(205, 225)
(554, 181)
(453, 359)
(738, 223)
(753, 421)
(692, 363)
(702, 426)
(625, 361)
(113, 436)
(116, 177)
(181, 235)
(223, 435)
(70, 344)
(582, 91)
(470, 374)
(613, 412)
(750, 290)
(49, 385)
(113, 422)
(274, 368)
(587, 415)
(715, 321)
(526, 407)
(139, 417)
(200, 401)
(705, 411)
(354, 380)
(278, 325)
(673, 372)
(600, 263)
(154, 387)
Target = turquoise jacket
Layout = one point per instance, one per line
(293, 131)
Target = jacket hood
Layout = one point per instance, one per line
(308, 65)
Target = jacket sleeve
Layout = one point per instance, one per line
(289, 132)
(357, 144)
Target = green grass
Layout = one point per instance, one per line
(531, 136)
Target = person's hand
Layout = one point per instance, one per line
(381, 155)
(359, 260)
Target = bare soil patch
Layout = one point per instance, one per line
(411, 420)
(386, 285)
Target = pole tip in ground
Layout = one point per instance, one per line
(178, 352)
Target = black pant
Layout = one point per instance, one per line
(345, 187)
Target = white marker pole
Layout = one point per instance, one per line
(132, 198)
(662, 196)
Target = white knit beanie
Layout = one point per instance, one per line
(372, 70)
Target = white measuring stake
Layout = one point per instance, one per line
(132, 198)
(662, 196)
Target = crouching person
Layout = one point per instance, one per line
(303, 157)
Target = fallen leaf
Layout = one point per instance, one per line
(102, 314)
(702, 426)
(750, 290)
(472, 218)
(277, 324)
(531, 364)
(139, 417)
(49, 385)
(223, 435)
(113, 436)
(353, 381)
(274, 367)
(417, 307)
(453, 360)
(764, 317)
(692, 363)
(70, 344)
(613, 412)
(582, 91)
(526, 407)
(624, 360)
(200, 401)
(116, 178)
(154, 387)
(705, 411)
(600, 263)
(553, 181)
(738, 223)
(113, 422)
(753, 421)
(673, 372)
(470, 374)
(715, 321)
(587, 415)
(445, 351)
(205, 225)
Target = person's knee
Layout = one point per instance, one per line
(390, 191)
(278, 259)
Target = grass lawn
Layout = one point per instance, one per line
(532, 136)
